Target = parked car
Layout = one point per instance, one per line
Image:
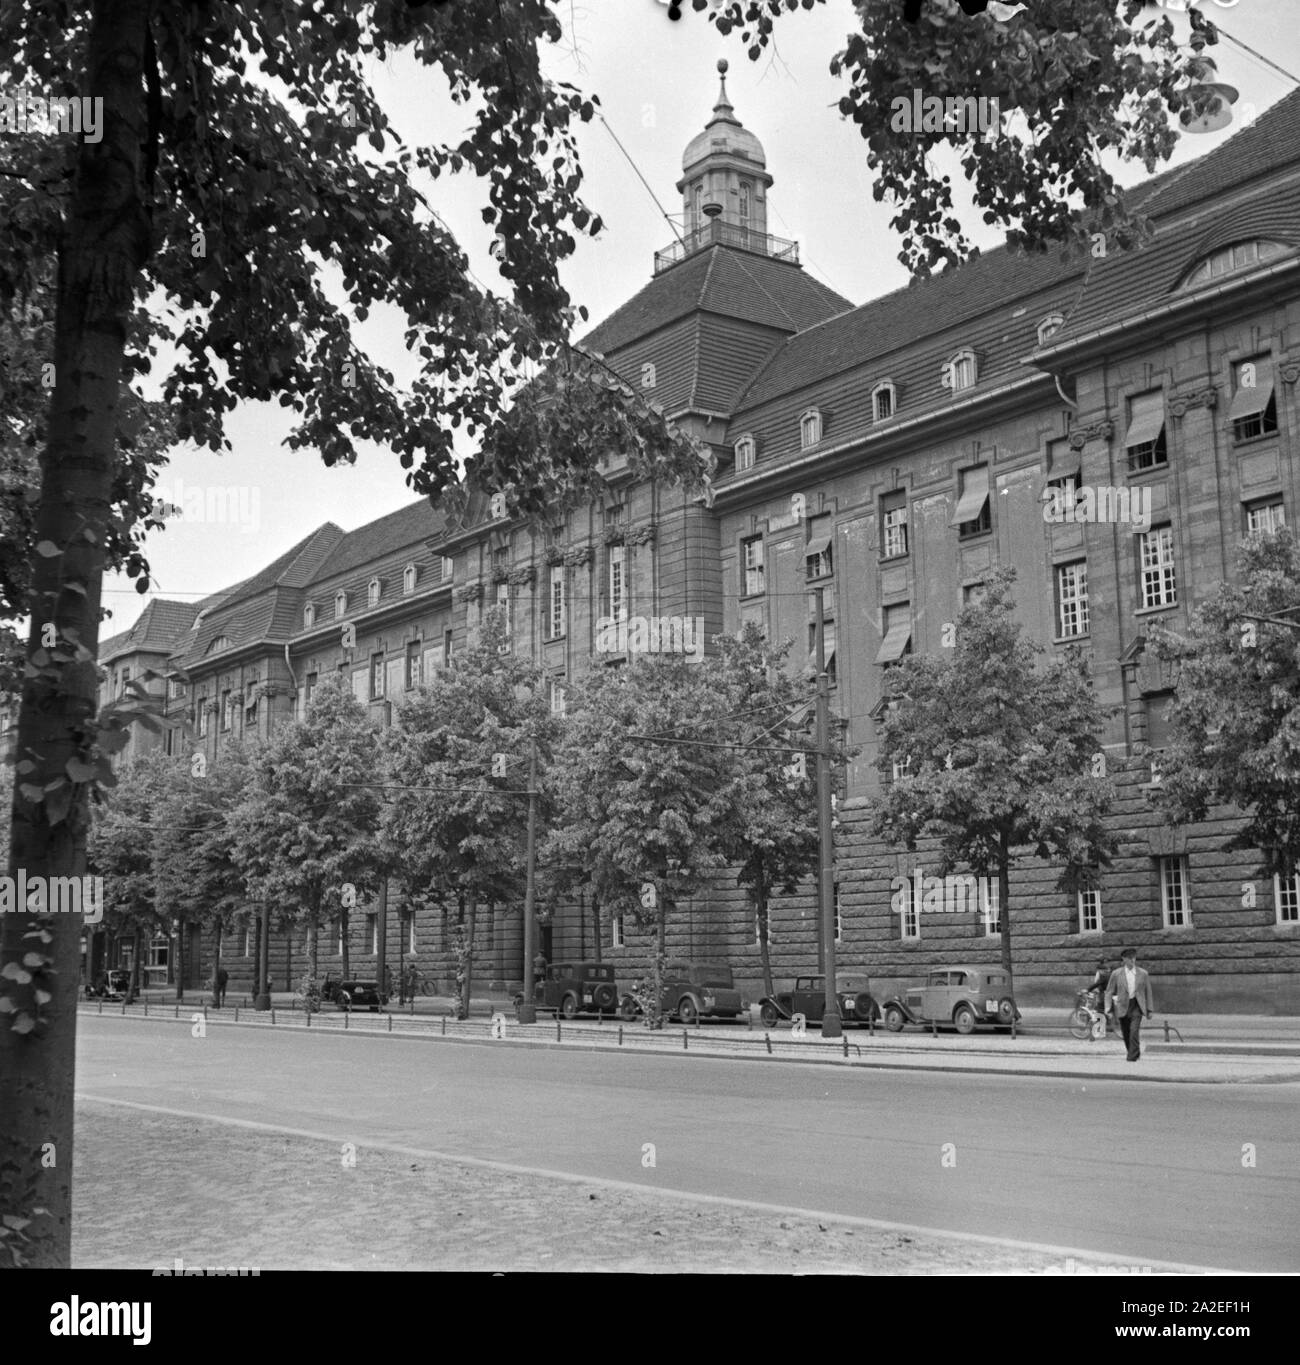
(358, 995)
(573, 988)
(115, 984)
(692, 991)
(960, 996)
(808, 997)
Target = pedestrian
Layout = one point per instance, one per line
(1129, 991)
(223, 976)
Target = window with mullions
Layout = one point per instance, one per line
(884, 401)
(745, 449)
(817, 553)
(1156, 565)
(1090, 912)
(557, 605)
(752, 565)
(1144, 441)
(617, 583)
(1072, 599)
(376, 676)
(413, 665)
(1253, 412)
(893, 521)
(973, 516)
(810, 428)
(1286, 898)
(991, 906)
(1175, 905)
(1264, 516)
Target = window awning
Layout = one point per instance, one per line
(1148, 420)
(895, 643)
(817, 546)
(974, 494)
(1250, 401)
(1065, 464)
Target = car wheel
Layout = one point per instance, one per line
(769, 1015)
(604, 997)
(1006, 1011)
(963, 1018)
(1080, 1023)
(687, 1010)
(343, 1000)
(863, 1005)
(569, 1006)
(627, 1010)
(894, 1018)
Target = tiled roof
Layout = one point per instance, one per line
(409, 526)
(721, 280)
(161, 624)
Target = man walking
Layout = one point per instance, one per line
(1129, 991)
(223, 977)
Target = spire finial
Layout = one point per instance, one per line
(723, 101)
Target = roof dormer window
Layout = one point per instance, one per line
(884, 401)
(220, 643)
(745, 452)
(373, 591)
(960, 372)
(308, 616)
(340, 605)
(1053, 322)
(408, 579)
(810, 428)
(1231, 260)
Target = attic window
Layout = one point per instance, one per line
(373, 591)
(1053, 322)
(810, 428)
(745, 451)
(220, 643)
(308, 616)
(884, 401)
(1230, 260)
(340, 605)
(408, 579)
(960, 372)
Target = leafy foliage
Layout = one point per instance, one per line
(1084, 77)
(999, 748)
(1236, 715)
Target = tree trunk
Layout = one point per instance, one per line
(313, 947)
(345, 928)
(1004, 901)
(764, 947)
(137, 966)
(104, 246)
(257, 956)
(595, 927)
(465, 971)
(216, 966)
(180, 960)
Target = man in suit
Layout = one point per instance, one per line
(1129, 992)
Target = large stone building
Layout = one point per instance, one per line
(890, 454)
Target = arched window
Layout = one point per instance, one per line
(884, 401)
(308, 616)
(373, 591)
(340, 604)
(220, 643)
(810, 428)
(1230, 260)
(745, 450)
(960, 372)
(408, 578)
(1053, 322)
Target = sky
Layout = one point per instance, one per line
(657, 83)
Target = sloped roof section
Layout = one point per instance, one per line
(160, 625)
(409, 526)
(722, 280)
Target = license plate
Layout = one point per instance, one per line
(991, 1006)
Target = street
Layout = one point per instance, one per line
(1141, 1172)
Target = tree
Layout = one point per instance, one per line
(1084, 78)
(217, 201)
(770, 830)
(998, 753)
(1236, 714)
(638, 815)
(458, 761)
(304, 833)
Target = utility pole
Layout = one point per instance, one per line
(831, 1027)
(381, 908)
(263, 1001)
(528, 1005)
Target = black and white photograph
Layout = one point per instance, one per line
(647, 638)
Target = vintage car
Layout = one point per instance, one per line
(358, 995)
(852, 990)
(573, 988)
(693, 991)
(960, 996)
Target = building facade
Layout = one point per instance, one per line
(1112, 426)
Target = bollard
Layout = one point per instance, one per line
(620, 1035)
(1166, 1022)
(347, 1019)
(767, 1038)
(309, 1016)
(390, 1023)
(123, 1008)
(146, 1009)
(273, 1014)
(1013, 1024)
(845, 1038)
(412, 1006)
(444, 1025)
(236, 1014)
(557, 1026)
(101, 1007)
(934, 1028)
(685, 1040)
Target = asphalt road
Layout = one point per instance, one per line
(1138, 1171)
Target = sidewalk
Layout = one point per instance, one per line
(1035, 1051)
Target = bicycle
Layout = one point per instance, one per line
(1086, 1021)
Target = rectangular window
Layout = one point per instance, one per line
(376, 676)
(248, 943)
(227, 710)
(893, 512)
(1156, 550)
(898, 633)
(1072, 599)
(559, 701)
(616, 937)
(372, 932)
(250, 713)
(1286, 898)
(829, 647)
(745, 448)
(503, 605)
(1063, 465)
(1264, 516)
(447, 647)
(203, 716)
(1175, 904)
(557, 620)
(910, 919)
(973, 516)
(1145, 439)
(159, 952)
(902, 767)
(1090, 912)
(175, 688)
(752, 566)
(309, 688)
(817, 553)
(395, 676)
(617, 583)
(410, 933)
(1253, 412)
(613, 516)
(991, 906)
(413, 672)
